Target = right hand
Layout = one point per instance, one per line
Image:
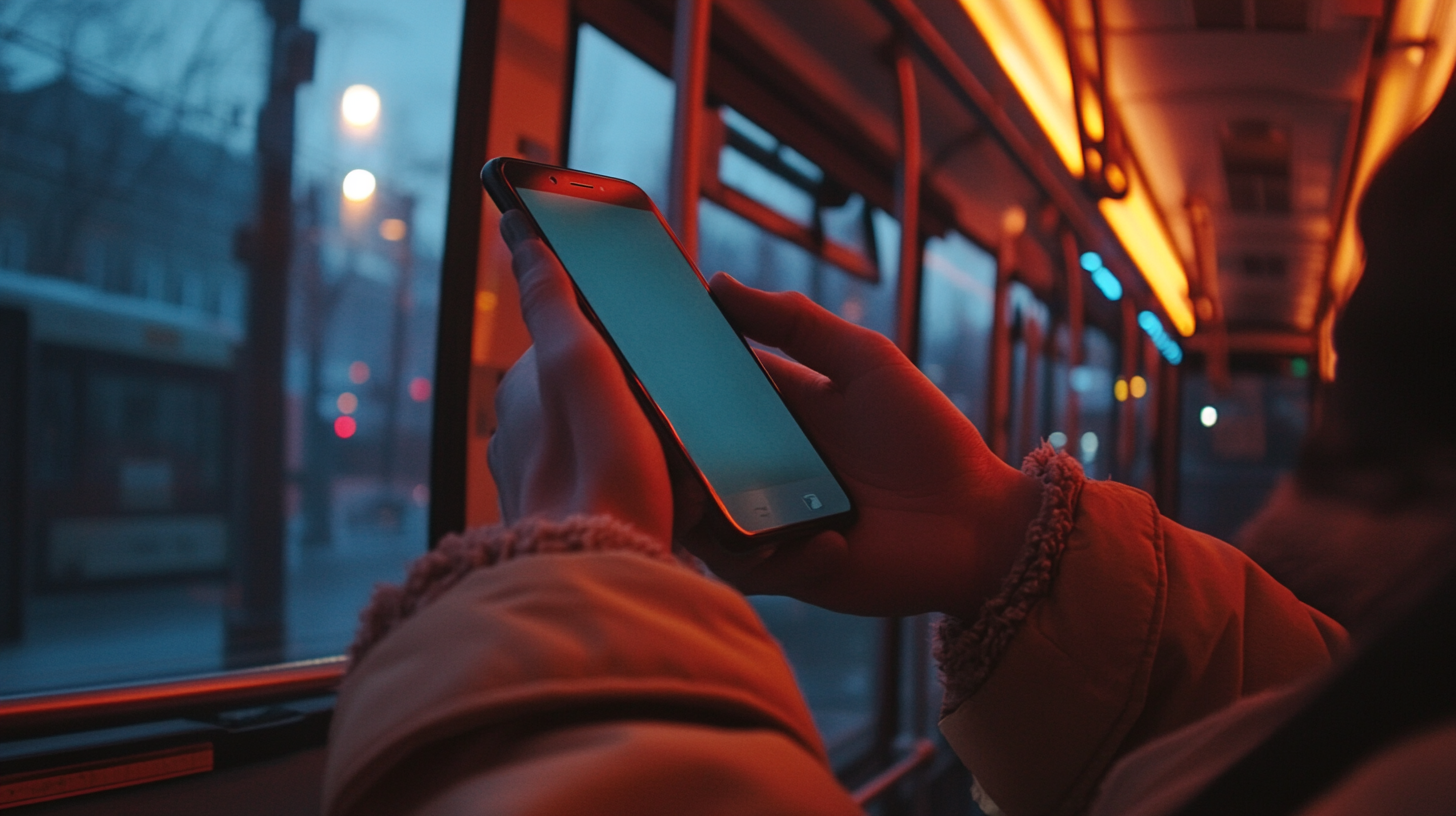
(940, 518)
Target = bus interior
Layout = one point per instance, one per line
(254, 306)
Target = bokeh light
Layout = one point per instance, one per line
(359, 185)
(360, 105)
(358, 372)
(1137, 387)
(1208, 416)
(347, 403)
(393, 229)
(419, 389)
(345, 426)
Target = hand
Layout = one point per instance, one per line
(940, 518)
(571, 437)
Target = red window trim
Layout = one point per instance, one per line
(107, 705)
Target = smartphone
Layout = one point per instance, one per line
(701, 382)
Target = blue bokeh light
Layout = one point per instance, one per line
(1107, 282)
(1166, 345)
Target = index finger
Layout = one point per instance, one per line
(548, 300)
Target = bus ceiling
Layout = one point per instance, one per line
(1209, 151)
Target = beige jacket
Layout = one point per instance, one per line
(571, 668)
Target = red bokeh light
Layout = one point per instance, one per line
(358, 372)
(419, 389)
(345, 426)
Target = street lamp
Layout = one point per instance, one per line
(360, 106)
(359, 185)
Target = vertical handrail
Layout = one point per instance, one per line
(690, 77)
(1166, 471)
(254, 629)
(1132, 349)
(907, 314)
(1205, 265)
(907, 206)
(1071, 262)
(998, 396)
(1033, 339)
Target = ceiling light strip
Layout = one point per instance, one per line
(1417, 63)
(1030, 49)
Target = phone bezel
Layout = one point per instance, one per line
(501, 176)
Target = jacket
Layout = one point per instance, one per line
(573, 667)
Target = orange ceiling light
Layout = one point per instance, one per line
(1419, 55)
(1136, 221)
(1029, 46)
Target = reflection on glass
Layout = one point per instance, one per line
(958, 297)
(129, 178)
(731, 244)
(621, 125)
(621, 115)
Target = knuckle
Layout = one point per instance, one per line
(801, 318)
(798, 301)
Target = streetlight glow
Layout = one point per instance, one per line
(359, 185)
(360, 105)
(393, 229)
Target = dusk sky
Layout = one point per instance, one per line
(199, 65)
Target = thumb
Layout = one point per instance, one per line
(804, 330)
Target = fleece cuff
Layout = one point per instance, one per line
(459, 554)
(967, 651)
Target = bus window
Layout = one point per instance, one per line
(170, 389)
(1030, 408)
(731, 244)
(958, 297)
(621, 115)
(1095, 384)
(1237, 443)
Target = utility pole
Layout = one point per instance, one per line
(401, 207)
(254, 629)
(319, 298)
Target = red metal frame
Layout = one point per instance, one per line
(98, 706)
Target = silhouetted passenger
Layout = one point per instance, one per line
(1365, 526)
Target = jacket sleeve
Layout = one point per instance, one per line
(1115, 627)
(570, 668)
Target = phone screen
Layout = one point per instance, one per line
(731, 422)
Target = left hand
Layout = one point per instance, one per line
(571, 437)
